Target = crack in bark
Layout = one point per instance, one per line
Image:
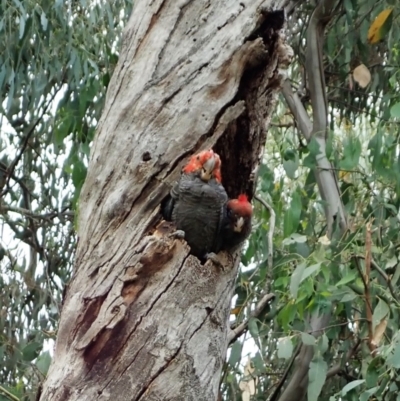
(127, 54)
(192, 51)
(81, 322)
(157, 374)
(152, 180)
(119, 351)
(109, 271)
(155, 81)
(112, 379)
(167, 287)
(134, 357)
(90, 251)
(171, 32)
(150, 307)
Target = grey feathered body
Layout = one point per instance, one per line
(198, 208)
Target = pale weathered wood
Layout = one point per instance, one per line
(142, 319)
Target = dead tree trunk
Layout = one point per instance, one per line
(142, 319)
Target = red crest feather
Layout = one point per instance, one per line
(241, 206)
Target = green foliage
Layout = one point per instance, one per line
(56, 59)
(317, 377)
(358, 354)
(285, 348)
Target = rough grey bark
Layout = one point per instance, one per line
(142, 319)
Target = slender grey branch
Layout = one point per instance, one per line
(335, 369)
(289, 125)
(28, 213)
(325, 176)
(8, 394)
(285, 374)
(299, 112)
(234, 334)
(376, 267)
(296, 388)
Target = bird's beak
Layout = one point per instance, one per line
(239, 225)
(208, 169)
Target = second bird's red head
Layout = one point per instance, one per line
(240, 212)
(241, 206)
(207, 163)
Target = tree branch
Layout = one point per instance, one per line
(234, 334)
(335, 369)
(325, 177)
(28, 213)
(25, 141)
(368, 305)
(285, 373)
(376, 267)
(8, 394)
(299, 112)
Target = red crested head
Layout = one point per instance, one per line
(207, 163)
(241, 206)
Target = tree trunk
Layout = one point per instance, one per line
(142, 319)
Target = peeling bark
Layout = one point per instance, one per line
(143, 319)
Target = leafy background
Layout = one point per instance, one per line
(56, 59)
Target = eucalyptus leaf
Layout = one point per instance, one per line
(350, 386)
(296, 279)
(317, 377)
(285, 348)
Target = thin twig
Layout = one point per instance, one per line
(335, 325)
(288, 125)
(28, 213)
(8, 394)
(283, 378)
(341, 169)
(368, 246)
(242, 327)
(335, 369)
(376, 267)
(13, 165)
